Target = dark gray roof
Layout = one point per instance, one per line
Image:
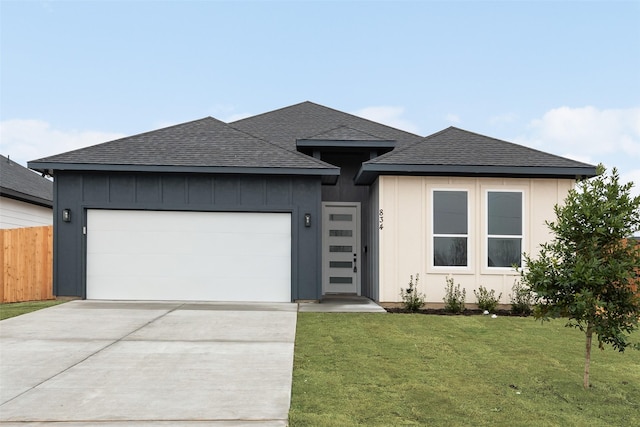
(206, 145)
(454, 151)
(344, 138)
(268, 144)
(18, 182)
(344, 133)
(309, 121)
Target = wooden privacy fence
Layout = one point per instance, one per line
(27, 255)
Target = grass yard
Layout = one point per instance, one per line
(18, 308)
(410, 369)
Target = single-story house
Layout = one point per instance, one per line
(295, 204)
(26, 198)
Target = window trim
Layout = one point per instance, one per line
(431, 253)
(488, 236)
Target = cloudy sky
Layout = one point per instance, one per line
(563, 77)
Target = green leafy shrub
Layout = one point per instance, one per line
(454, 297)
(486, 298)
(411, 298)
(522, 299)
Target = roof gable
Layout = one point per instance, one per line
(20, 183)
(344, 133)
(454, 146)
(454, 151)
(309, 120)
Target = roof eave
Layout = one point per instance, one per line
(370, 171)
(326, 143)
(27, 198)
(50, 167)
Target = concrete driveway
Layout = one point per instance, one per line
(148, 363)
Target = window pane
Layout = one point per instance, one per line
(450, 212)
(340, 264)
(340, 280)
(340, 217)
(450, 251)
(341, 233)
(340, 248)
(505, 213)
(504, 252)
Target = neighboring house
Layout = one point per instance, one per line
(26, 198)
(295, 204)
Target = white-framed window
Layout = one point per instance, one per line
(505, 225)
(450, 228)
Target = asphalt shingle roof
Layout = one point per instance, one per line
(19, 182)
(201, 143)
(268, 142)
(345, 133)
(308, 120)
(454, 146)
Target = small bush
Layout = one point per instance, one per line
(522, 299)
(454, 297)
(487, 299)
(411, 298)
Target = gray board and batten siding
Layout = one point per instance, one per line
(80, 191)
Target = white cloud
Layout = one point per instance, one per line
(390, 116)
(578, 157)
(587, 131)
(591, 135)
(452, 118)
(632, 176)
(26, 140)
(227, 113)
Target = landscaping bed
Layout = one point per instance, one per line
(443, 312)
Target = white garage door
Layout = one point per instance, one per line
(202, 256)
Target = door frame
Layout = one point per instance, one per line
(325, 246)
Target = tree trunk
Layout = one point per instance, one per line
(587, 358)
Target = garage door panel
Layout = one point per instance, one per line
(164, 289)
(160, 242)
(217, 266)
(188, 255)
(239, 221)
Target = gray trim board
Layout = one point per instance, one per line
(315, 143)
(55, 166)
(16, 195)
(370, 171)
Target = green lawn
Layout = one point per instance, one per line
(400, 369)
(18, 308)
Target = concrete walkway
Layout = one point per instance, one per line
(148, 363)
(343, 304)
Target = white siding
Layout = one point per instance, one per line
(406, 239)
(17, 214)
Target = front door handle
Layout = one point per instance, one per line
(355, 259)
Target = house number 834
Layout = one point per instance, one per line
(381, 219)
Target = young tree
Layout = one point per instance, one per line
(590, 270)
